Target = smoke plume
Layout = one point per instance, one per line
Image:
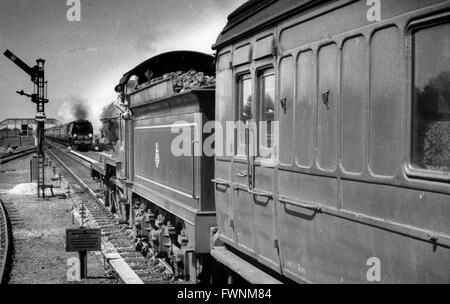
(74, 108)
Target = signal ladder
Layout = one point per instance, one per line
(41, 174)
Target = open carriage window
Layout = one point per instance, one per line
(244, 109)
(431, 103)
(266, 111)
(245, 98)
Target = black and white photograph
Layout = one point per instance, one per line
(224, 149)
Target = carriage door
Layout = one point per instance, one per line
(255, 228)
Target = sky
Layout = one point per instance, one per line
(85, 59)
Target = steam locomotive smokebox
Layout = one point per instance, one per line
(33, 168)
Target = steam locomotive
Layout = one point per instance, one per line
(77, 134)
(358, 188)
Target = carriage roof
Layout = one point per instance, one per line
(255, 15)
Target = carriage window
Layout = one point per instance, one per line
(244, 108)
(431, 106)
(245, 98)
(266, 111)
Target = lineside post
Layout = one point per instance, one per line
(83, 264)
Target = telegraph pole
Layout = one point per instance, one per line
(39, 97)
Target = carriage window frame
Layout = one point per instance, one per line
(239, 103)
(261, 74)
(410, 169)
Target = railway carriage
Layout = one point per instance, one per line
(356, 187)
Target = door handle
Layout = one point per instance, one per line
(314, 207)
(261, 193)
(283, 102)
(325, 99)
(249, 166)
(241, 173)
(221, 182)
(194, 171)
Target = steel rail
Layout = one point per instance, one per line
(10, 157)
(118, 264)
(4, 238)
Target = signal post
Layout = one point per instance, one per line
(39, 97)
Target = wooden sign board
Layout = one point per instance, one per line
(83, 239)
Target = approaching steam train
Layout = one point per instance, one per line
(353, 185)
(77, 134)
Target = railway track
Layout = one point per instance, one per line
(117, 238)
(5, 244)
(12, 156)
(5, 223)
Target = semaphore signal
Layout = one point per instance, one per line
(39, 97)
